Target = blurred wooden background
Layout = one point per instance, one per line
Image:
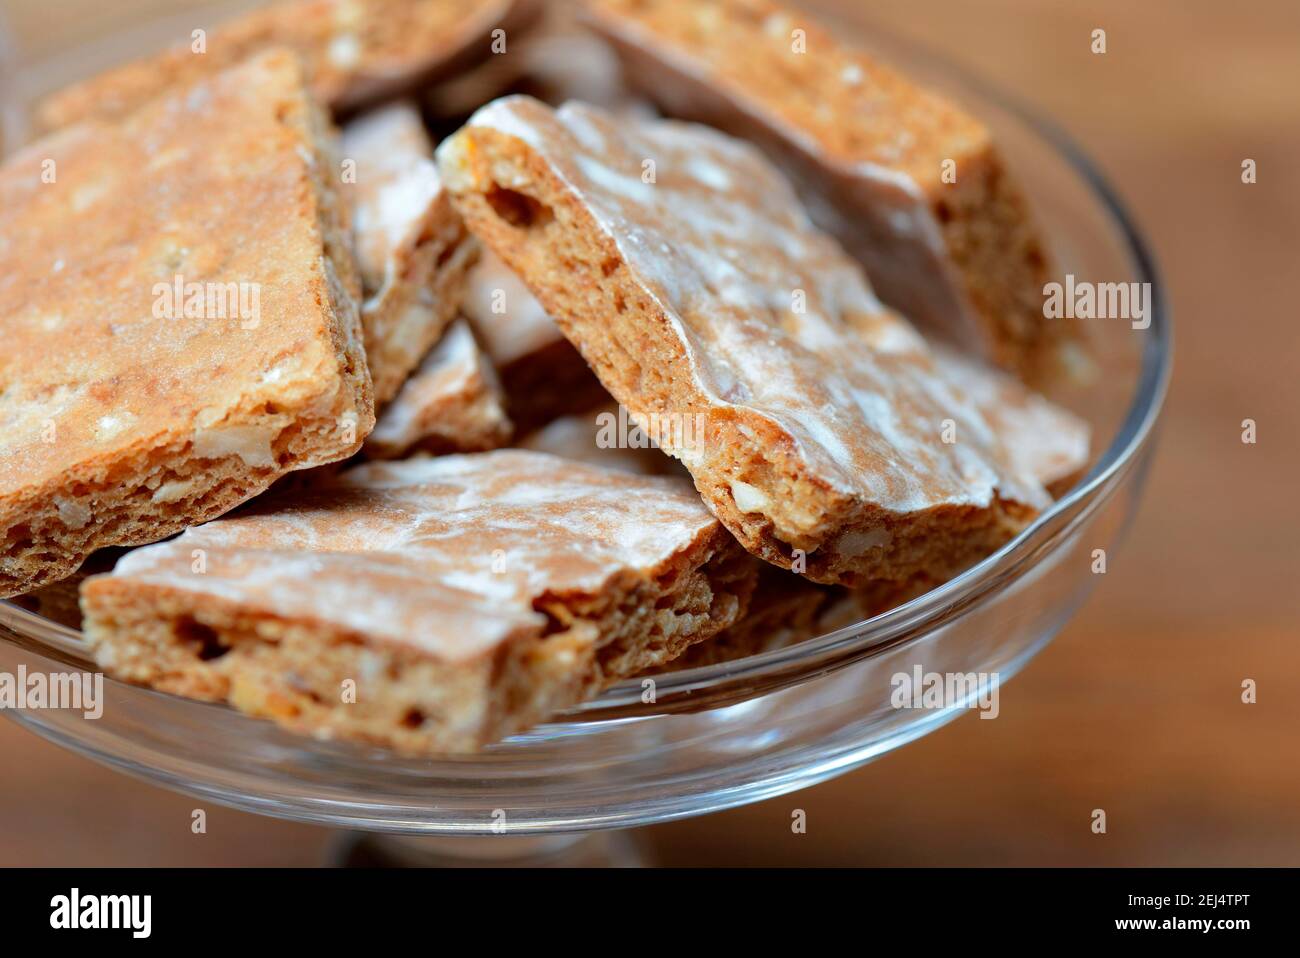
(1136, 707)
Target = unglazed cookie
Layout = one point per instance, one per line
(683, 267)
(911, 184)
(178, 326)
(412, 248)
(544, 377)
(357, 52)
(453, 403)
(458, 599)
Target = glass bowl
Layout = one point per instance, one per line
(717, 736)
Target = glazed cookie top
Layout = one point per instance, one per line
(1043, 439)
(771, 315)
(448, 554)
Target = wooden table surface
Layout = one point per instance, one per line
(1136, 707)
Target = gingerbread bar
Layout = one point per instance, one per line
(453, 403)
(412, 247)
(429, 605)
(544, 377)
(911, 184)
(1044, 440)
(178, 324)
(358, 52)
(683, 267)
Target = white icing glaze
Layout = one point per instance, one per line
(771, 313)
(1044, 440)
(447, 554)
(881, 193)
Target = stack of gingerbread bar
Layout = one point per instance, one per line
(408, 371)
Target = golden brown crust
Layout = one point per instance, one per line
(130, 411)
(357, 52)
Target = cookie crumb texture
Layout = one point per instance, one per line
(461, 598)
(685, 270)
(131, 408)
(910, 183)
